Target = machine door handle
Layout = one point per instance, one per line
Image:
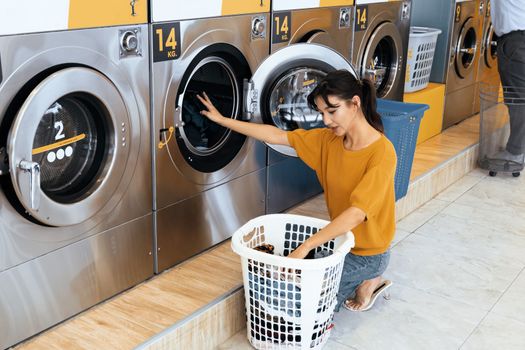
(468, 50)
(33, 169)
(374, 73)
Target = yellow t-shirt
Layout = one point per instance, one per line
(362, 179)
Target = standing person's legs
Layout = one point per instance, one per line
(357, 270)
(511, 67)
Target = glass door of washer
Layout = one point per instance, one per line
(380, 58)
(204, 152)
(466, 48)
(68, 147)
(491, 47)
(278, 90)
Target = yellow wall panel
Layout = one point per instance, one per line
(236, 7)
(434, 96)
(101, 13)
(328, 3)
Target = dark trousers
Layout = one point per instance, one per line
(511, 66)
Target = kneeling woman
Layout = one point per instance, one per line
(355, 164)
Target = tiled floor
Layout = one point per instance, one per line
(458, 266)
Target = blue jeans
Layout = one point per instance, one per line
(357, 269)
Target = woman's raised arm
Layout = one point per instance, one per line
(261, 132)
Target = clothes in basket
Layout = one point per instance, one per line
(279, 293)
(278, 298)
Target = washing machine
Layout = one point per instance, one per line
(381, 36)
(488, 60)
(75, 171)
(465, 43)
(209, 180)
(290, 181)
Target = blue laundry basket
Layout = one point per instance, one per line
(401, 122)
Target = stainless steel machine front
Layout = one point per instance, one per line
(75, 173)
(209, 180)
(463, 62)
(290, 181)
(381, 43)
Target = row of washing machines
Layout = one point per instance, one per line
(108, 172)
(465, 53)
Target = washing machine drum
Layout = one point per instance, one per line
(68, 147)
(379, 61)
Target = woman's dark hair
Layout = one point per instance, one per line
(344, 85)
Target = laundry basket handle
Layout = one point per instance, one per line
(348, 243)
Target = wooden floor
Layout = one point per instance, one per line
(444, 146)
(134, 316)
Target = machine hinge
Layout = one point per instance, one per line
(250, 99)
(177, 118)
(405, 12)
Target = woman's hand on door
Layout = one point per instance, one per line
(210, 112)
(266, 133)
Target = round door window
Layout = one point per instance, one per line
(380, 64)
(69, 145)
(380, 58)
(69, 148)
(466, 48)
(491, 47)
(205, 145)
(288, 102)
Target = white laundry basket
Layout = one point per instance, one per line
(421, 47)
(289, 302)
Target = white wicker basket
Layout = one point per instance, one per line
(421, 47)
(289, 302)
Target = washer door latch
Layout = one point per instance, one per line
(33, 170)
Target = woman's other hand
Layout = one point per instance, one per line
(301, 251)
(211, 113)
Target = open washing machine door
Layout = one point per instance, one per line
(278, 90)
(68, 149)
(466, 48)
